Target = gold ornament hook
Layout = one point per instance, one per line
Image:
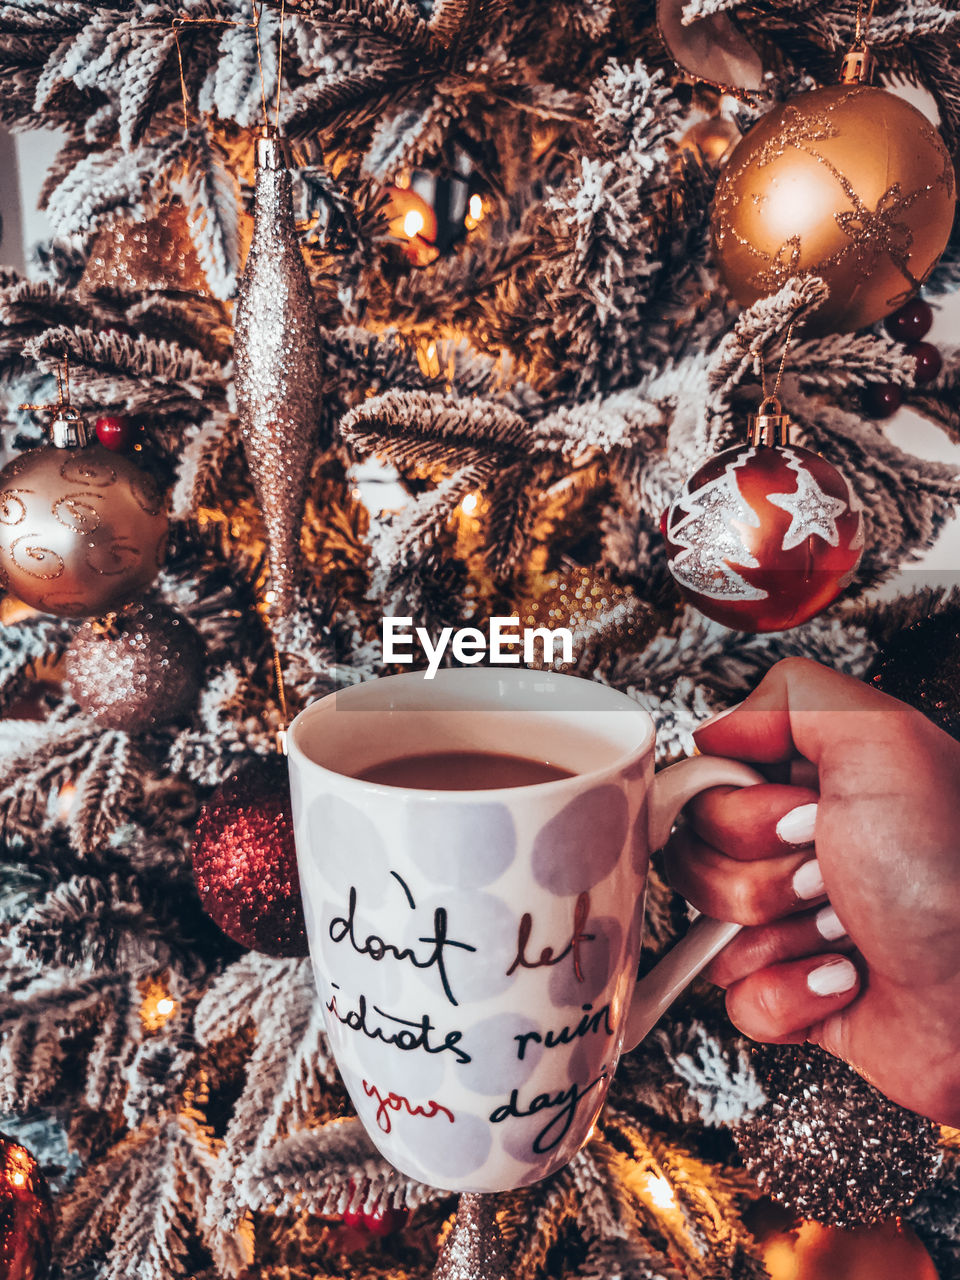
(858, 63)
(769, 425)
(67, 426)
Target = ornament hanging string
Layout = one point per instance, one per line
(183, 21)
(63, 390)
(757, 353)
(281, 696)
(863, 27)
(283, 15)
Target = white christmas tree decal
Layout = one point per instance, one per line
(811, 510)
(710, 538)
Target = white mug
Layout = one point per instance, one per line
(476, 951)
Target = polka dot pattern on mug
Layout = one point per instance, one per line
(599, 958)
(465, 846)
(580, 845)
(347, 848)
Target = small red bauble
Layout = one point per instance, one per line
(379, 1222)
(881, 399)
(245, 862)
(26, 1215)
(763, 536)
(385, 1222)
(910, 322)
(114, 433)
(929, 362)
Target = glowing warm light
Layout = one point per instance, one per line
(476, 208)
(19, 1166)
(429, 359)
(270, 596)
(65, 801)
(659, 1190)
(412, 223)
(470, 502)
(158, 1005)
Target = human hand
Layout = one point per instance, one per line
(852, 907)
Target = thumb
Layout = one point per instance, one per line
(798, 707)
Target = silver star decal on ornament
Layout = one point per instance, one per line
(711, 541)
(811, 510)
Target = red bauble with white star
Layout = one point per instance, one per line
(763, 537)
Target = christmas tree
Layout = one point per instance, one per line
(521, 350)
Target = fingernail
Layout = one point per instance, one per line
(704, 724)
(797, 826)
(832, 978)
(828, 924)
(808, 881)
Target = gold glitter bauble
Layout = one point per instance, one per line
(81, 530)
(137, 670)
(849, 183)
(600, 615)
(156, 256)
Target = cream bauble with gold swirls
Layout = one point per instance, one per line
(850, 183)
(82, 530)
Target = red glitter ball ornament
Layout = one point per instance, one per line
(245, 863)
(26, 1215)
(764, 536)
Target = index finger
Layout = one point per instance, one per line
(799, 706)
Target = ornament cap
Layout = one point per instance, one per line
(769, 425)
(68, 429)
(857, 66)
(273, 150)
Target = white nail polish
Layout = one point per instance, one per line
(718, 716)
(808, 881)
(797, 826)
(828, 924)
(832, 978)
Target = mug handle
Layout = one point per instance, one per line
(706, 937)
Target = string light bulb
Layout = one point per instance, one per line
(475, 211)
(19, 1166)
(658, 1188)
(413, 223)
(157, 1006)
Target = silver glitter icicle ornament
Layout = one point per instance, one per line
(474, 1249)
(278, 365)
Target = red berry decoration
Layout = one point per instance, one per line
(764, 535)
(929, 362)
(911, 321)
(385, 1222)
(245, 863)
(114, 433)
(881, 399)
(26, 1215)
(379, 1222)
